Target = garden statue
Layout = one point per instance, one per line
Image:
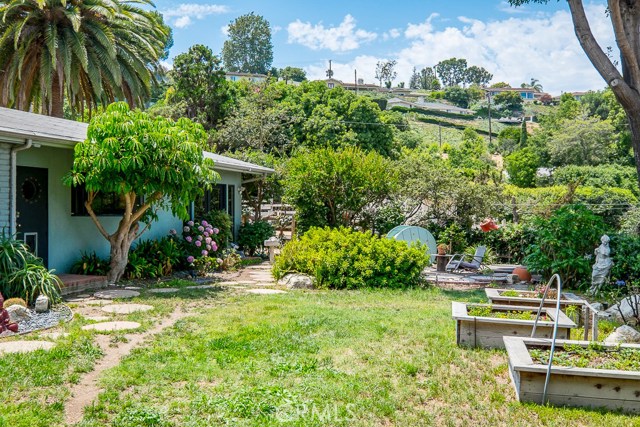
(5, 321)
(602, 266)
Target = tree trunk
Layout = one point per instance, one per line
(119, 253)
(634, 127)
(57, 98)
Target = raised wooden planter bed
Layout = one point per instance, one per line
(487, 332)
(571, 386)
(530, 298)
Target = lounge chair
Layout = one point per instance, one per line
(467, 262)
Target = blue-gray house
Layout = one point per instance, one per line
(37, 151)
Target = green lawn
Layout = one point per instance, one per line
(359, 358)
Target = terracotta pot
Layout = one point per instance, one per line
(522, 273)
(442, 250)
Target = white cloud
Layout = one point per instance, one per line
(342, 38)
(515, 50)
(183, 15)
(225, 30)
(393, 33)
(417, 30)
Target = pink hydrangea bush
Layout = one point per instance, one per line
(200, 246)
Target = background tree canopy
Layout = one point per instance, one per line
(249, 48)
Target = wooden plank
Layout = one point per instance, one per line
(583, 386)
(490, 335)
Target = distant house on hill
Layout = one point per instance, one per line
(433, 106)
(255, 78)
(527, 94)
(360, 85)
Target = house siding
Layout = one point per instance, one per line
(69, 235)
(5, 183)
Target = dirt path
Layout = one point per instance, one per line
(87, 390)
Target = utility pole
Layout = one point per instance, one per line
(355, 74)
(490, 134)
(329, 71)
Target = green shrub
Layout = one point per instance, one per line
(509, 242)
(150, 259)
(346, 259)
(90, 264)
(564, 244)
(625, 252)
(252, 235)
(23, 275)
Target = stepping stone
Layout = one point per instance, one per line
(265, 291)
(97, 318)
(116, 293)
(111, 326)
(84, 296)
(232, 283)
(25, 346)
(132, 288)
(126, 308)
(263, 284)
(201, 287)
(163, 290)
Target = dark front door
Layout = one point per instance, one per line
(32, 209)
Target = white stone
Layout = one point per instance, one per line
(25, 346)
(597, 306)
(624, 334)
(116, 293)
(18, 313)
(126, 308)
(625, 306)
(265, 291)
(163, 290)
(133, 288)
(111, 326)
(42, 304)
(297, 281)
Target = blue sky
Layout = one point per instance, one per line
(515, 44)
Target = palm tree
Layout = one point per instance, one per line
(88, 52)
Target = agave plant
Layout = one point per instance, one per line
(22, 274)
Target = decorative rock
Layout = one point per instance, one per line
(512, 279)
(297, 281)
(126, 308)
(42, 304)
(116, 293)
(25, 346)
(624, 334)
(625, 307)
(18, 314)
(163, 290)
(265, 291)
(597, 306)
(111, 326)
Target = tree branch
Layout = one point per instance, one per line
(625, 33)
(598, 58)
(152, 199)
(92, 214)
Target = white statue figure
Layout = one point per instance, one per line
(602, 266)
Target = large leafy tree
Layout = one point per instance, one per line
(134, 155)
(333, 188)
(200, 83)
(478, 75)
(85, 52)
(385, 72)
(452, 71)
(625, 19)
(294, 74)
(249, 48)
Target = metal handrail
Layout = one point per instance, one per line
(555, 328)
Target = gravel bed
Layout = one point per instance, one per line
(58, 314)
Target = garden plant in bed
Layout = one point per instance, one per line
(586, 374)
(483, 325)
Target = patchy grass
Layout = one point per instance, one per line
(358, 358)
